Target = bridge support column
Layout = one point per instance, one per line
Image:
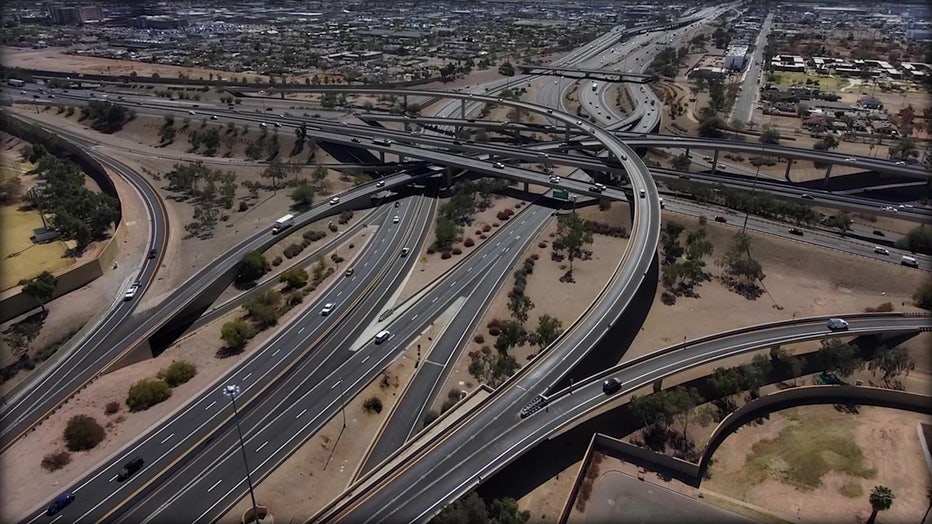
(405, 102)
(828, 173)
(789, 165)
(463, 108)
(526, 190)
(448, 177)
(567, 136)
(382, 156)
(714, 161)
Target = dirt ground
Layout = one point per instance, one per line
(888, 440)
(25, 484)
(55, 59)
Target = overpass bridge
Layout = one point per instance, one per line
(594, 74)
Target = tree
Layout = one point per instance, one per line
(839, 357)
(294, 278)
(770, 135)
(519, 304)
(263, 309)
(892, 362)
(467, 510)
(711, 127)
(725, 381)
(303, 195)
(572, 236)
(682, 162)
(373, 405)
(505, 511)
(881, 498)
(445, 232)
(177, 373)
(904, 149)
(147, 393)
(548, 330)
(83, 433)
(41, 287)
(251, 267)
(737, 260)
(512, 334)
(277, 170)
(236, 333)
(923, 295)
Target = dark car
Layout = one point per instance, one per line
(152, 253)
(59, 503)
(130, 468)
(796, 231)
(721, 219)
(611, 386)
(879, 233)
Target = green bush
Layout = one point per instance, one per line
(147, 393)
(83, 433)
(314, 235)
(112, 407)
(57, 460)
(293, 250)
(177, 373)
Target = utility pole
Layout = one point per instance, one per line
(232, 391)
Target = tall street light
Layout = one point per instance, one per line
(232, 391)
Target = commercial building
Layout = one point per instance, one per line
(75, 15)
(735, 57)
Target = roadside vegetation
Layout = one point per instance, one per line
(470, 508)
(682, 268)
(106, 117)
(211, 191)
(76, 212)
(468, 197)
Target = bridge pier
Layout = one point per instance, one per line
(789, 165)
(714, 160)
(405, 102)
(567, 136)
(463, 108)
(828, 173)
(526, 187)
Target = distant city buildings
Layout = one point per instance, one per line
(75, 15)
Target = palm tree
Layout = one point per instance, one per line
(881, 499)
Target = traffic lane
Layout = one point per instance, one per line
(406, 418)
(358, 361)
(478, 275)
(257, 368)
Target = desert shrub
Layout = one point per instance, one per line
(479, 339)
(886, 307)
(495, 331)
(494, 323)
(305, 242)
(457, 251)
(469, 242)
(445, 255)
(495, 224)
(431, 249)
(542, 245)
(345, 216)
(112, 407)
(57, 460)
(486, 228)
(502, 215)
(243, 205)
(483, 237)
(336, 258)
(177, 373)
(293, 250)
(372, 405)
(332, 227)
(147, 393)
(83, 433)
(535, 256)
(314, 235)
(277, 261)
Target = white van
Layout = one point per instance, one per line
(909, 261)
(382, 336)
(836, 324)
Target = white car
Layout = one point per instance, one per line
(382, 336)
(380, 183)
(334, 201)
(554, 180)
(327, 309)
(881, 250)
(837, 324)
(396, 219)
(498, 165)
(131, 292)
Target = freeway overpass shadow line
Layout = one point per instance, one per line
(619, 337)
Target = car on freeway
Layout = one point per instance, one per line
(554, 179)
(59, 504)
(720, 218)
(795, 231)
(550, 111)
(213, 117)
(396, 219)
(880, 250)
(498, 165)
(152, 253)
(879, 233)
(380, 183)
(807, 196)
(130, 468)
(131, 292)
(382, 336)
(404, 252)
(900, 163)
(837, 324)
(191, 113)
(263, 124)
(579, 122)
(849, 159)
(611, 386)
(543, 155)
(350, 271)
(327, 309)
(642, 193)
(334, 201)
(354, 140)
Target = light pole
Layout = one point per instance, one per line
(232, 391)
(342, 405)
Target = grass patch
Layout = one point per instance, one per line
(806, 449)
(852, 490)
(826, 83)
(20, 257)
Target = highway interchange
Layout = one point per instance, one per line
(298, 381)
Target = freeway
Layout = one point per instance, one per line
(303, 353)
(752, 81)
(69, 370)
(110, 343)
(456, 461)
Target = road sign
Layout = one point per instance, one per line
(561, 194)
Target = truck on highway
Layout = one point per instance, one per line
(595, 85)
(283, 223)
(15, 82)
